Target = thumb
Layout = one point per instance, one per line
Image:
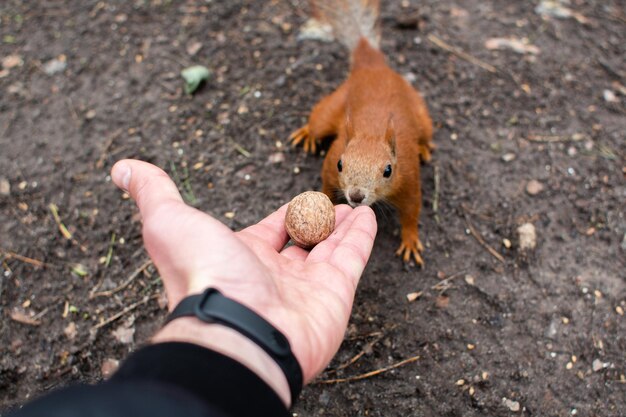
(147, 184)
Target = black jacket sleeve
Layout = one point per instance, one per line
(167, 379)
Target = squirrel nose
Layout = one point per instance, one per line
(356, 196)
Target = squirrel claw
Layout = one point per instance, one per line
(414, 248)
(303, 135)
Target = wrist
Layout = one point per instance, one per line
(231, 343)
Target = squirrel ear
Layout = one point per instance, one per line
(349, 126)
(390, 134)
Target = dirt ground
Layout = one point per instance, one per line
(531, 137)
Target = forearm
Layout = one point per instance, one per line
(230, 343)
(173, 378)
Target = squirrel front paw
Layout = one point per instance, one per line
(303, 135)
(411, 245)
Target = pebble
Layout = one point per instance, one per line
(512, 405)
(276, 158)
(609, 96)
(534, 187)
(54, 66)
(508, 157)
(5, 186)
(527, 236)
(410, 77)
(597, 365)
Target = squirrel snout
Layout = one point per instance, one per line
(356, 196)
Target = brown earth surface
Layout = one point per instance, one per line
(496, 330)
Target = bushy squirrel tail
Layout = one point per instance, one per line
(351, 20)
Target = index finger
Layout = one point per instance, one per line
(349, 248)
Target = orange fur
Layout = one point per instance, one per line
(378, 121)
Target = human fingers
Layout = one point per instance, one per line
(295, 253)
(147, 184)
(298, 254)
(349, 248)
(270, 230)
(341, 213)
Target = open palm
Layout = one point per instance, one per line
(307, 295)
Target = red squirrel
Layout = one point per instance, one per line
(379, 124)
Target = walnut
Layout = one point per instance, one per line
(310, 219)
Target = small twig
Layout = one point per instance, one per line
(553, 138)
(105, 148)
(25, 259)
(41, 313)
(443, 284)
(55, 213)
(125, 284)
(364, 336)
(73, 113)
(123, 312)
(7, 125)
(241, 149)
(358, 356)
(480, 240)
(64, 231)
(436, 197)
(443, 45)
(368, 374)
(107, 260)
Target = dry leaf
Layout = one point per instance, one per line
(412, 296)
(70, 331)
(21, 317)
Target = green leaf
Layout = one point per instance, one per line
(194, 76)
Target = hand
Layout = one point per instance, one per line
(307, 295)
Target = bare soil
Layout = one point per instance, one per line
(497, 330)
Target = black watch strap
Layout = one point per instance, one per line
(212, 307)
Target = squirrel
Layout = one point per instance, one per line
(378, 123)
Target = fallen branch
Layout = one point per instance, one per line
(368, 374)
(463, 55)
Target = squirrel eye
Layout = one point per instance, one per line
(339, 166)
(387, 172)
